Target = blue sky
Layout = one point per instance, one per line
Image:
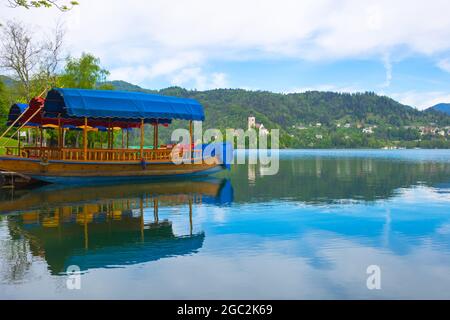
(397, 48)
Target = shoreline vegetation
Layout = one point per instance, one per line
(13, 142)
(319, 120)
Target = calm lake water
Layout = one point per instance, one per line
(310, 231)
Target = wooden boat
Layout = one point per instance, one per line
(76, 109)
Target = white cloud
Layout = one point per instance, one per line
(444, 65)
(421, 100)
(196, 78)
(145, 39)
(139, 72)
(388, 67)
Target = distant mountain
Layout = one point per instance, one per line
(7, 80)
(441, 107)
(124, 86)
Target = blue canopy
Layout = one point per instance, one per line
(16, 110)
(77, 103)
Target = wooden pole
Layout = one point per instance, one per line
(190, 137)
(123, 139)
(59, 131)
(155, 210)
(85, 138)
(14, 123)
(142, 138)
(155, 136)
(20, 128)
(128, 138)
(109, 133)
(42, 137)
(112, 138)
(19, 144)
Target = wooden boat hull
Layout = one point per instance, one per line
(67, 172)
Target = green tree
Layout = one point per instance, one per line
(84, 73)
(61, 5)
(3, 105)
(33, 64)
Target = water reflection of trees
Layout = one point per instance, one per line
(327, 180)
(16, 251)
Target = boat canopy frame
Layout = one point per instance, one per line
(81, 108)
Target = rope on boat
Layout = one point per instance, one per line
(14, 123)
(23, 125)
(19, 117)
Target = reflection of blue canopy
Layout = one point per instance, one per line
(73, 103)
(134, 253)
(224, 196)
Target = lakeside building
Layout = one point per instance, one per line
(252, 124)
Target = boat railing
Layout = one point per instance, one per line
(119, 155)
(34, 152)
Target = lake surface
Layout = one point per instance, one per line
(309, 232)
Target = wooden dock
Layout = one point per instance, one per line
(9, 179)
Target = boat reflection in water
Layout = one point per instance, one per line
(109, 226)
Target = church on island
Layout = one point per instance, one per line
(252, 124)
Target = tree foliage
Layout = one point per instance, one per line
(84, 73)
(33, 64)
(28, 4)
(4, 108)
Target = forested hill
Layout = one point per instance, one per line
(231, 107)
(318, 119)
